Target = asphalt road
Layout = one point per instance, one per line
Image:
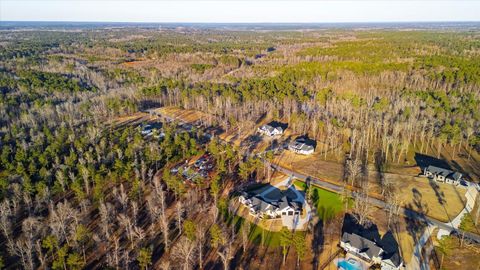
(376, 202)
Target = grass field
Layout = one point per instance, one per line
(328, 204)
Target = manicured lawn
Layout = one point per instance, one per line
(271, 239)
(328, 203)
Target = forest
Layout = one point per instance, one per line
(79, 190)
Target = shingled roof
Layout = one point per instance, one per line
(444, 172)
(364, 245)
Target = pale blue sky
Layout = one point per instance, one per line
(239, 11)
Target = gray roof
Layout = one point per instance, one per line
(300, 144)
(444, 172)
(362, 244)
(259, 204)
(270, 129)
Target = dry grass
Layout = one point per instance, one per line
(458, 257)
(443, 202)
(131, 119)
(188, 116)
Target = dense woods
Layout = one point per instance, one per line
(78, 191)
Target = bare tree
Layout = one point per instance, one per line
(226, 252)
(61, 217)
(156, 206)
(353, 169)
(246, 227)
(362, 207)
(6, 221)
(200, 234)
(184, 251)
(105, 217)
(179, 215)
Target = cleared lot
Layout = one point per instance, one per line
(442, 202)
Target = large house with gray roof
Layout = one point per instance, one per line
(259, 207)
(442, 175)
(301, 146)
(270, 130)
(371, 251)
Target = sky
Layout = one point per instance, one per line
(246, 11)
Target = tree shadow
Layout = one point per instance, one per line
(370, 232)
(438, 193)
(251, 142)
(415, 216)
(318, 241)
(424, 161)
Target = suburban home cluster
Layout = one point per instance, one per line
(443, 175)
(261, 208)
(371, 252)
(301, 146)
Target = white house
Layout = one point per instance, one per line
(301, 146)
(270, 130)
(442, 175)
(270, 209)
(370, 251)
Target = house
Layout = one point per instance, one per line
(361, 247)
(372, 251)
(262, 208)
(442, 175)
(301, 146)
(270, 130)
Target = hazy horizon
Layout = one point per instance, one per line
(263, 11)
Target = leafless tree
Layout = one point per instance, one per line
(184, 251)
(156, 206)
(353, 169)
(105, 217)
(246, 227)
(122, 196)
(227, 251)
(61, 218)
(200, 239)
(126, 223)
(6, 221)
(179, 215)
(362, 207)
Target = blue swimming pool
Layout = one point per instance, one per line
(349, 265)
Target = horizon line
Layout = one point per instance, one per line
(200, 22)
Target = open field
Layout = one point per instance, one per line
(442, 201)
(189, 116)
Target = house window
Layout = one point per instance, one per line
(290, 213)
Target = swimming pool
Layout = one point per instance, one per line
(351, 264)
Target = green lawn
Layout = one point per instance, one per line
(271, 239)
(328, 203)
